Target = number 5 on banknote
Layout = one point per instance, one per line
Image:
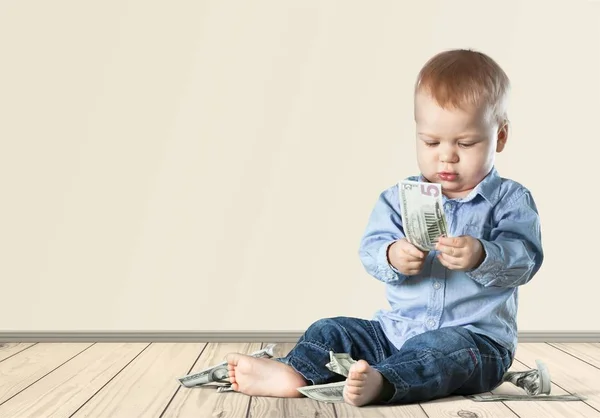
(429, 189)
(422, 213)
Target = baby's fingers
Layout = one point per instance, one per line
(412, 251)
(451, 251)
(414, 264)
(452, 263)
(413, 268)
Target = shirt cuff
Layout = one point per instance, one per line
(490, 268)
(386, 270)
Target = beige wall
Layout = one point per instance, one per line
(210, 165)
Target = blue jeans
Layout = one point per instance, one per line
(443, 362)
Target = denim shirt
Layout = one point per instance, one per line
(502, 214)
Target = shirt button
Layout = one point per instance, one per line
(430, 323)
(436, 285)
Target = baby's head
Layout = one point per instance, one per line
(461, 100)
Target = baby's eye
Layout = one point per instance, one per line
(431, 144)
(466, 145)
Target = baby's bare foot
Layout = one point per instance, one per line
(363, 385)
(263, 377)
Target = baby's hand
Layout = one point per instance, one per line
(460, 253)
(407, 258)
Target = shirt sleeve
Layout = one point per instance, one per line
(384, 227)
(514, 253)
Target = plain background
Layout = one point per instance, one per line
(211, 165)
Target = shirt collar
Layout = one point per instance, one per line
(488, 188)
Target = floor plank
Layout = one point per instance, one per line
(533, 409)
(344, 410)
(375, 411)
(459, 406)
(263, 407)
(204, 401)
(10, 349)
(26, 367)
(588, 352)
(570, 373)
(140, 379)
(63, 391)
(145, 387)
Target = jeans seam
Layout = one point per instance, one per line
(380, 353)
(429, 353)
(467, 349)
(317, 344)
(400, 386)
(492, 356)
(299, 362)
(345, 331)
(474, 359)
(473, 356)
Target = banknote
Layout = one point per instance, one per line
(219, 372)
(329, 392)
(497, 398)
(422, 213)
(533, 381)
(339, 363)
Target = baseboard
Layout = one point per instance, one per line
(559, 336)
(150, 336)
(238, 336)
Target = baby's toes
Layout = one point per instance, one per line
(360, 366)
(352, 390)
(231, 375)
(357, 379)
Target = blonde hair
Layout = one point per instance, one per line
(461, 78)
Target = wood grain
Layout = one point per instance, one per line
(63, 391)
(588, 352)
(145, 387)
(459, 406)
(204, 401)
(140, 380)
(262, 407)
(10, 349)
(26, 367)
(535, 409)
(376, 411)
(570, 373)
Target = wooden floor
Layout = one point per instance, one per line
(140, 380)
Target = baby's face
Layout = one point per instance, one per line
(455, 148)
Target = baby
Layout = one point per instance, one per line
(452, 328)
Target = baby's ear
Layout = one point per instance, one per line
(502, 136)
